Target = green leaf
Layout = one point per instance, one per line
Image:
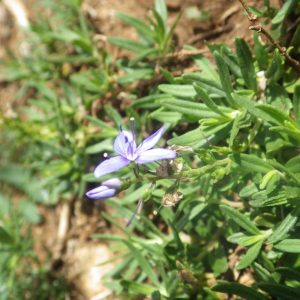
(280, 167)
(293, 164)
(140, 26)
(263, 273)
(240, 219)
(244, 57)
(115, 116)
(155, 295)
(160, 29)
(289, 273)
(161, 8)
(282, 291)
(276, 68)
(30, 212)
(224, 77)
(288, 245)
(106, 145)
(111, 131)
(144, 74)
(286, 9)
(265, 112)
(142, 55)
(240, 290)
(193, 108)
(143, 263)
(205, 65)
(177, 239)
(181, 91)
(5, 205)
(210, 85)
(266, 220)
(250, 256)
(170, 33)
(285, 226)
(249, 190)
(166, 117)
(152, 101)
(138, 288)
(251, 162)
(5, 237)
(296, 100)
(194, 137)
(260, 51)
(217, 260)
(292, 190)
(167, 75)
(277, 96)
(207, 100)
(127, 44)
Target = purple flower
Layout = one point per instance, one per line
(101, 192)
(107, 189)
(126, 147)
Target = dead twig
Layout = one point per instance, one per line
(259, 29)
(206, 35)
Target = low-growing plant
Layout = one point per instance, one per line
(223, 204)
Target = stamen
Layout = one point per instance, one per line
(156, 211)
(106, 155)
(132, 126)
(129, 222)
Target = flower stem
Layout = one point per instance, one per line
(186, 174)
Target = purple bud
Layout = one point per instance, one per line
(114, 183)
(101, 192)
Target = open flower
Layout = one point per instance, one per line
(126, 147)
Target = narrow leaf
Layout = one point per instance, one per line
(286, 9)
(278, 290)
(143, 263)
(240, 290)
(285, 226)
(289, 273)
(240, 219)
(244, 57)
(193, 108)
(251, 162)
(296, 101)
(138, 288)
(207, 100)
(250, 256)
(127, 44)
(224, 77)
(276, 68)
(289, 245)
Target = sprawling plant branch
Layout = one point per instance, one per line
(186, 174)
(257, 26)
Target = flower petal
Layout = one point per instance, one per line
(111, 165)
(131, 146)
(150, 141)
(154, 155)
(113, 183)
(101, 192)
(124, 143)
(119, 144)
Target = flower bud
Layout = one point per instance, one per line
(146, 194)
(186, 276)
(117, 183)
(101, 192)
